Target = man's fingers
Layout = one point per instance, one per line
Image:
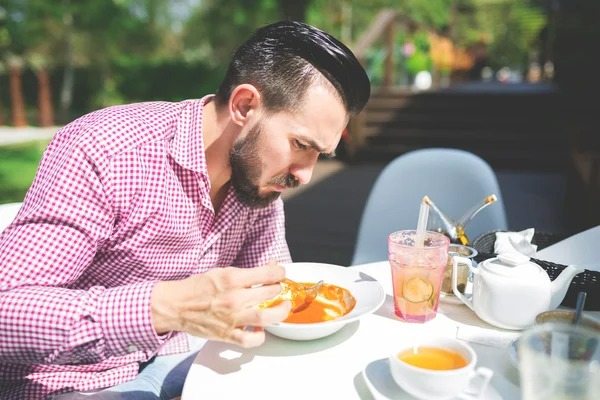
(239, 299)
(233, 298)
(263, 317)
(276, 313)
(251, 333)
(247, 338)
(248, 277)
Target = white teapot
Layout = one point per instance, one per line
(510, 290)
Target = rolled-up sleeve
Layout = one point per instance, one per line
(65, 218)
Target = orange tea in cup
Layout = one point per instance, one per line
(438, 368)
(436, 358)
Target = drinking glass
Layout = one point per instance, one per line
(559, 361)
(417, 273)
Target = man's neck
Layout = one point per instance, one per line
(218, 135)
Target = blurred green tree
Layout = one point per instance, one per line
(94, 49)
(509, 28)
(216, 27)
(93, 34)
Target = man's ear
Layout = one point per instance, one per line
(244, 102)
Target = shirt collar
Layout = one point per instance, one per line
(187, 145)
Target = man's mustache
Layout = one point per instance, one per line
(287, 180)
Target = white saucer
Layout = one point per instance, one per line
(382, 386)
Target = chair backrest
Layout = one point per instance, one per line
(455, 180)
(8, 212)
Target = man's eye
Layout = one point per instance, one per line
(300, 145)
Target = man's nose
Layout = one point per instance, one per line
(303, 173)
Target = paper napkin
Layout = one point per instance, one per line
(520, 242)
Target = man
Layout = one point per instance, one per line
(118, 260)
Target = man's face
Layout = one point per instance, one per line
(246, 171)
(279, 151)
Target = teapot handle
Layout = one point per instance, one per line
(456, 260)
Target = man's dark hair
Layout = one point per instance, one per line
(282, 60)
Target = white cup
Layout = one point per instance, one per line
(433, 384)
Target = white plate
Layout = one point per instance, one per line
(367, 291)
(379, 380)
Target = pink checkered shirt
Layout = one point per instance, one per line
(120, 201)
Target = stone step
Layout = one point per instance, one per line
(461, 103)
(509, 126)
(509, 157)
(446, 119)
(494, 136)
(470, 102)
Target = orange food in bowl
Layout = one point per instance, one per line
(331, 302)
(291, 291)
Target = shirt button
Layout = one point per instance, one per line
(132, 348)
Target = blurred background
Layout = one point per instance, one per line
(514, 81)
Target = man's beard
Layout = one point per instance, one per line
(246, 170)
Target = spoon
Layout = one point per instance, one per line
(310, 293)
(579, 306)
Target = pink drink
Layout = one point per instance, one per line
(417, 274)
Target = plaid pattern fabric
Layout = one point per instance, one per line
(120, 201)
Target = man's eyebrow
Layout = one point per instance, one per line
(317, 147)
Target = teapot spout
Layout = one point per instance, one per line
(560, 285)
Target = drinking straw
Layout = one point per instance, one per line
(579, 307)
(422, 222)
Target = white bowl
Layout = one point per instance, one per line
(367, 291)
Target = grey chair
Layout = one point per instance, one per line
(455, 180)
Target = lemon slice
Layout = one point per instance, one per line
(417, 290)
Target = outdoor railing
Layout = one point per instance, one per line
(384, 27)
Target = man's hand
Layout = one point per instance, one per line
(220, 304)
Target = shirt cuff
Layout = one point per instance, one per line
(127, 322)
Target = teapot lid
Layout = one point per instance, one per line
(514, 265)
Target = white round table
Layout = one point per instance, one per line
(331, 367)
